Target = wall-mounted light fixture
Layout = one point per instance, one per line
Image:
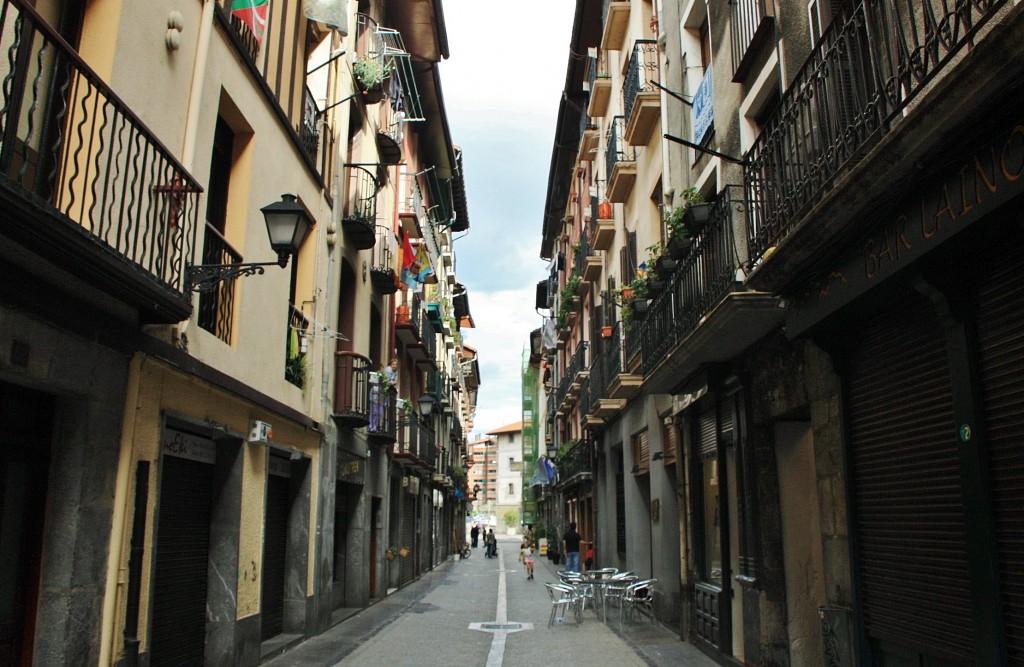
(658, 456)
(426, 403)
(287, 226)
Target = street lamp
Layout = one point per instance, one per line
(287, 226)
(426, 403)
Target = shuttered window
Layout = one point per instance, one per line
(641, 453)
(670, 441)
(708, 439)
(908, 513)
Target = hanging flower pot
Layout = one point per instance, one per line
(391, 554)
(606, 332)
(696, 217)
(679, 247)
(640, 306)
(604, 210)
(626, 293)
(403, 552)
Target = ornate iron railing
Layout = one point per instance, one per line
(580, 252)
(597, 388)
(68, 140)
(642, 69)
(576, 461)
(216, 307)
(617, 150)
(862, 74)
(362, 203)
(700, 282)
(578, 362)
(613, 356)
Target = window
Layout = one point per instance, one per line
(641, 453)
(511, 489)
(511, 460)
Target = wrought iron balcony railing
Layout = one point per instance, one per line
(703, 278)
(578, 362)
(351, 389)
(642, 69)
(72, 146)
(862, 74)
(577, 463)
(383, 261)
(216, 307)
(359, 215)
(415, 442)
(617, 148)
(383, 420)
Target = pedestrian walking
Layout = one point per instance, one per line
(491, 542)
(526, 556)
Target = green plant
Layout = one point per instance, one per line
(295, 370)
(370, 71)
(572, 286)
(674, 220)
(510, 518)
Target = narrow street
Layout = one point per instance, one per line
(443, 619)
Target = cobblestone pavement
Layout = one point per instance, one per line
(482, 612)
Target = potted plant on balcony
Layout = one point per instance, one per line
(391, 553)
(696, 211)
(403, 552)
(370, 73)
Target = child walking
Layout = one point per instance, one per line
(526, 555)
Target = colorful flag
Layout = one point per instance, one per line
(252, 13)
(425, 272)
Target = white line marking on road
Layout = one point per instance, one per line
(500, 628)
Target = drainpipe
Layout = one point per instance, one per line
(195, 93)
(112, 590)
(131, 624)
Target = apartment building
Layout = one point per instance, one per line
(786, 321)
(508, 471)
(208, 461)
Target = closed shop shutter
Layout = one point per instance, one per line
(908, 511)
(1001, 352)
(275, 551)
(408, 564)
(178, 628)
(708, 439)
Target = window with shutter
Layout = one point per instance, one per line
(670, 441)
(641, 453)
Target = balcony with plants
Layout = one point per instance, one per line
(600, 87)
(84, 182)
(568, 309)
(382, 426)
(602, 220)
(592, 264)
(620, 162)
(575, 462)
(641, 97)
(703, 313)
(296, 367)
(415, 330)
(855, 96)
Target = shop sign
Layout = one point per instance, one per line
(188, 446)
(351, 468)
(971, 189)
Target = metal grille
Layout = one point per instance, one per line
(908, 506)
(1001, 351)
(275, 552)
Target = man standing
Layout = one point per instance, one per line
(474, 534)
(571, 549)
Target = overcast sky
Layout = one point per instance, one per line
(501, 88)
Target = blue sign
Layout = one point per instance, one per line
(703, 108)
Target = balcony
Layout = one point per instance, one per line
(620, 162)
(383, 422)
(641, 98)
(621, 381)
(217, 306)
(415, 330)
(840, 106)
(704, 315)
(616, 22)
(84, 183)
(415, 447)
(383, 261)
(351, 390)
(577, 464)
(359, 217)
(439, 386)
(751, 28)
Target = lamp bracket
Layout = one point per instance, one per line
(206, 277)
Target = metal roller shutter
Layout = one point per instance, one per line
(275, 550)
(908, 511)
(178, 628)
(1001, 364)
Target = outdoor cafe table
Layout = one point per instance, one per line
(598, 581)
